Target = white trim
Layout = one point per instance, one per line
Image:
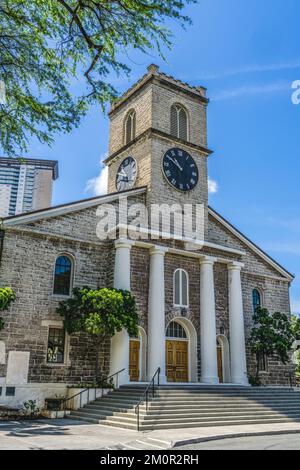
(181, 304)
(69, 208)
(250, 245)
(73, 261)
(53, 324)
(192, 340)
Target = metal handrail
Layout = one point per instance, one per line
(65, 400)
(145, 396)
(291, 378)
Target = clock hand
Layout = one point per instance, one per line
(123, 179)
(175, 163)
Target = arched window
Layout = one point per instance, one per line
(63, 275)
(256, 299)
(181, 288)
(175, 330)
(179, 122)
(130, 125)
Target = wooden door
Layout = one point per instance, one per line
(134, 360)
(220, 363)
(177, 361)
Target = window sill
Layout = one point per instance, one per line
(60, 297)
(64, 364)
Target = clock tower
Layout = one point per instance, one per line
(158, 139)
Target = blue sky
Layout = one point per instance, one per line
(247, 55)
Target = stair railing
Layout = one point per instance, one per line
(148, 393)
(63, 402)
(291, 378)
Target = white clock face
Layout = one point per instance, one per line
(126, 174)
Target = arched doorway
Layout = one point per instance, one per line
(137, 357)
(181, 351)
(223, 359)
(177, 356)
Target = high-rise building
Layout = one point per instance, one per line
(26, 184)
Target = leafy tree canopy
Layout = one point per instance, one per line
(271, 335)
(296, 326)
(101, 312)
(46, 45)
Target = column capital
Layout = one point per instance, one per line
(208, 260)
(235, 266)
(158, 250)
(124, 243)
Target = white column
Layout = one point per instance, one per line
(236, 325)
(209, 365)
(156, 314)
(119, 351)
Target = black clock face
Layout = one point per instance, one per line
(126, 174)
(180, 169)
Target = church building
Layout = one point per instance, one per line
(195, 303)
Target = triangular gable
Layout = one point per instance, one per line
(258, 251)
(65, 209)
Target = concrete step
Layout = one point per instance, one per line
(191, 416)
(187, 424)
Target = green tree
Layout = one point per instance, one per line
(100, 313)
(296, 331)
(7, 296)
(271, 335)
(48, 45)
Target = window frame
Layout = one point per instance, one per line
(177, 338)
(179, 107)
(181, 305)
(72, 260)
(65, 347)
(132, 116)
(260, 299)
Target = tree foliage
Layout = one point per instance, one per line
(271, 335)
(101, 313)
(7, 296)
(296, 332)
(46, 46)
(296, 326)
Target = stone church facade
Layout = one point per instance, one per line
(195, 304)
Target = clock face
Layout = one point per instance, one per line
(180, 169)
(126, 174)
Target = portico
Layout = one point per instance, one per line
(156, 334)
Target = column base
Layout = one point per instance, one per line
(124, 379)
(240, 380)
(210, 380)
(162, 380)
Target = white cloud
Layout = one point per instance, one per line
(251, 90)
(99, 185)
(212, 186)
(254, 68)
